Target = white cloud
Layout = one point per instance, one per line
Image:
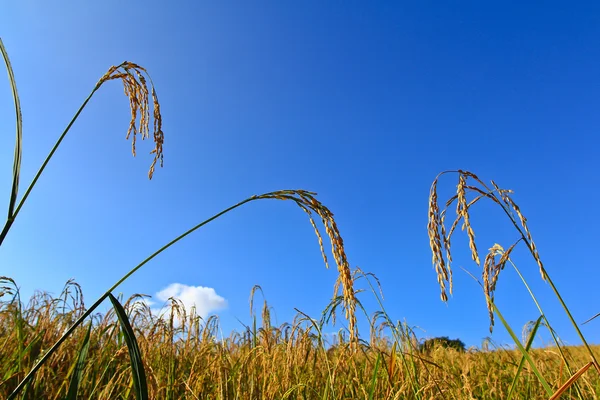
(205, 299)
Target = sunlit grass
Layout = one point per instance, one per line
(185, 357)
(60, 349)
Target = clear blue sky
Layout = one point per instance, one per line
(362, 104)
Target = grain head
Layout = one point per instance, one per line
(136, 90)
(434, 229)
(307, 202)
(440, 237)
(491, 272)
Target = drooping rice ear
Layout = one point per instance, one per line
(309, 204)
(135, 87)
(434, 227)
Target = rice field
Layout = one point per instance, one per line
(185, 357)
(59, 348)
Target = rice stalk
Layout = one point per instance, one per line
(439, 237)
(136, 90)
(307, 202)
(209, 365)
(19, 133)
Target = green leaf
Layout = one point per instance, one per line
(522, 362)
(18, 144)
(137, 366)
(524, 352)
(79, 366)
(374, 379)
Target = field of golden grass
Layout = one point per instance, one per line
(186, 357)
(57, 348)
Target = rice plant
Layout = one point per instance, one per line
(185, 357)
(56, 347)
(495, 261)
(138, 91)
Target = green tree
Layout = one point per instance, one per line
(442, 341)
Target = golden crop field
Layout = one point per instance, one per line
(55, 347)
(185, 357)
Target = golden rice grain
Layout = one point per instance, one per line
(136, 90)
(307, 202)
(435, 241)
(462, 210)
(440, 237)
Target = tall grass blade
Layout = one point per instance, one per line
(591, 319)
(137, 366)
(18, 143)
(523, 351)
(522, 362)
(134, 103)
(79, 366)
(552, 333)
(571, 380)
(301, 196)
(374, 378)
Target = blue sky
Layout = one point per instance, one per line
(364, 105)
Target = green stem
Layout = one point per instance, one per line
(554, 337)
(38, 365)
(19, 137)
(553, 287)
(11, 219)
(523, 352)
(545, 274)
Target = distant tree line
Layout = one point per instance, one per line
(442, 341)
